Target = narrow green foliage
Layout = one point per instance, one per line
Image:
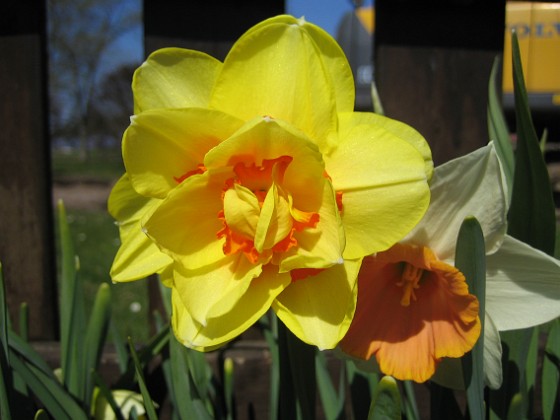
(331, 399)
(48, 390)
(5, 371)
(270, 331)
(386, 403)
(377, 105)
(24, 321)
(532, 216)
(531, 219)
(470, 259)
(551, 373)
(516, 408)
(301, 362)
(410, 406)
(362, 387)
(96, 334)
(189, 403)
(228, 387)
(497, 127)
(148, 403)
(72, 317)
(120, 347)
(41, 415)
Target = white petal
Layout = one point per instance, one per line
(472, 185)
(492, 354)
(522, 286)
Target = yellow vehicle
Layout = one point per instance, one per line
(537, 25)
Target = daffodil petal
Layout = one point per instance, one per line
(245, 312)
(492, 364)
(522, 286)
(163, 146)
(319, 309)
(213, 290)
(276, 70)
(381, 201)
(174, 78)
(138, 256)
(449, 372)
(472, 185)
(186, 223)
(267, 139)
(405, 132)
(333, 57)
(321, 247)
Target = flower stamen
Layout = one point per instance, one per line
(410, 278)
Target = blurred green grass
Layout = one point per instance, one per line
(103, 165)
(96, 240)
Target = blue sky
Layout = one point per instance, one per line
(325, 13)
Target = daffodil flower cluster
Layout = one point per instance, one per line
(253, 184)
(433, 318)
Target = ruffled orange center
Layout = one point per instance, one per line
(412, 310)
(259, 216)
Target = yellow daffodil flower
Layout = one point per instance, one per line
(253, 184)
(431, 314)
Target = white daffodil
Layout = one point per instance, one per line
(414, 309)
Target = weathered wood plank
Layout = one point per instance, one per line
(26, 226)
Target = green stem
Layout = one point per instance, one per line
(297, 376)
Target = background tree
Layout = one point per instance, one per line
(112, 107)
(80, 35)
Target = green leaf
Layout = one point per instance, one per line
(96, 334)
(41, 415)
(376, 100)
(270, 331)
(532, 215)
(57, 401)
(362, 387)
(228, 387)
(551, 372)
(148, 403)
(5, 371)
(386, 403)
(297, 376)
(331, 399)
(410, 406)
(498, 129)
(120, 347)
(470, 259)
(189, 404)
(72, 318)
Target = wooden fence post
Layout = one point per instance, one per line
(432, 65)
(26, 224)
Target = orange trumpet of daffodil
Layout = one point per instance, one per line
(414, 309)
(253, 184)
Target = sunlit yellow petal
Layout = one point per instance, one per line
(174, 78)
(333, 58)
(318, 309)
(348, 120)
(320, 247)
(213, 290)
(163, 146)
(246, 311)
(138, 256)
(276, 70)
(382, 201)
(186, 223)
